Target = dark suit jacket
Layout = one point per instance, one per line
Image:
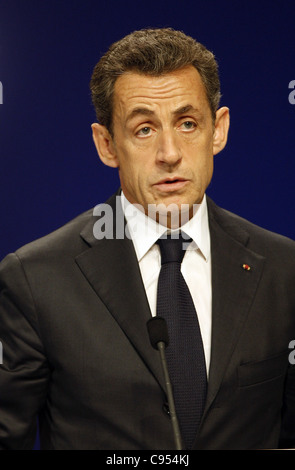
(76, 352)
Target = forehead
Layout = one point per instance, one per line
(177, 89)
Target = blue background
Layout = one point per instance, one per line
(50, 171)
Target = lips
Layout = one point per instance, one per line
(171, 184)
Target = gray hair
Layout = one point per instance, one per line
(151, 52)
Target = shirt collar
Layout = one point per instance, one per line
(145, 231)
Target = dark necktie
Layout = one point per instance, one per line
(185, 355)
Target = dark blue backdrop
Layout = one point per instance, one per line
(49, 168)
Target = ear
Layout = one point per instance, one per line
(221, 129)
(104, 145)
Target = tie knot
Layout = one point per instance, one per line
(172, 249)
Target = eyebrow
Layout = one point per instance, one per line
(139, 111)
(148, 112)
(186, 109)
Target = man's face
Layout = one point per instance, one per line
(164, 137)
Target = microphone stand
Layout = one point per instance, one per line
(158, 334)
(174, 421)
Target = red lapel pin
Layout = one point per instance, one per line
(246, 267)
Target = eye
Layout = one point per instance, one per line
(188, 125)
(144, 131)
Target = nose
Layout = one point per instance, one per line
(168, 152)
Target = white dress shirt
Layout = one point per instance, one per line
(195, 267)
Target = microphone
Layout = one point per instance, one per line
(158, 333)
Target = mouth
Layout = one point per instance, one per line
(168, 185)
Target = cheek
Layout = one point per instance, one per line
(208, 169)
(135, 166)
(202, 160)
(202, 169)
(130, 176)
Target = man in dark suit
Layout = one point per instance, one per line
(74, 305)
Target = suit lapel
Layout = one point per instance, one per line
(233, 290)
(111, 267)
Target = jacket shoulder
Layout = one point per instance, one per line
(67, 241)
(64, 240)
(253, 235)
